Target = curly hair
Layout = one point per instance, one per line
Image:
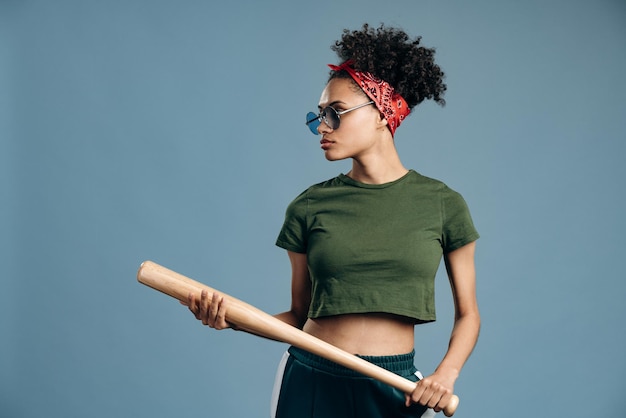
(389, 54)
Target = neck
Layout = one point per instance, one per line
(378, 169)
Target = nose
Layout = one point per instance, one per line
(323, 127)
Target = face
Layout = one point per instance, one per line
(359, 130)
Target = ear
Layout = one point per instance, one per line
(381, 122)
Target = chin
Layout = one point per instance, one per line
(331, 156)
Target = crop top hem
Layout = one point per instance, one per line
(417, 318)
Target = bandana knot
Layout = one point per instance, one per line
(391, 104)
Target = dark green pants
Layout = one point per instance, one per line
(313, 387)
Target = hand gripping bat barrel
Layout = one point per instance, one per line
(252, 320)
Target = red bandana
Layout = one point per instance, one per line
(391, 104)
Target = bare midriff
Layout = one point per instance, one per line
(369, 334)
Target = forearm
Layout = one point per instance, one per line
(291, 318)
(462, 274)
(436, 390)
(462, 342)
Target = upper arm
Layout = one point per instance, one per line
(462, 274)
(300, 286)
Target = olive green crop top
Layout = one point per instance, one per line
(376, 248)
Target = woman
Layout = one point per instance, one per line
(365, 246)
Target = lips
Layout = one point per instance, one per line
(325, 143)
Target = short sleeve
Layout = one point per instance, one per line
(457, 225)
(293, 236)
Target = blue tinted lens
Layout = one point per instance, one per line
(313, 122)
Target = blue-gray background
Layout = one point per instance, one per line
(173, 131)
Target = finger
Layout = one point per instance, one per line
(417, 393)
(205, 306)
(437, 394)
(220, 320)
(423, 393)
(433, 401)
(191, 304)
(443, 402)
(214, 308)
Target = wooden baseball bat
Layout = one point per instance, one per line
(250, 319)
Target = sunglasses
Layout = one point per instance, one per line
(330, 116)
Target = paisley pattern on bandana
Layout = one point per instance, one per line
(393, 106)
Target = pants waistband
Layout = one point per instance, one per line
(401, 364)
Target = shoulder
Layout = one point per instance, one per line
(320, 187)
(431, 184)
(312, 191)
(439, 193)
